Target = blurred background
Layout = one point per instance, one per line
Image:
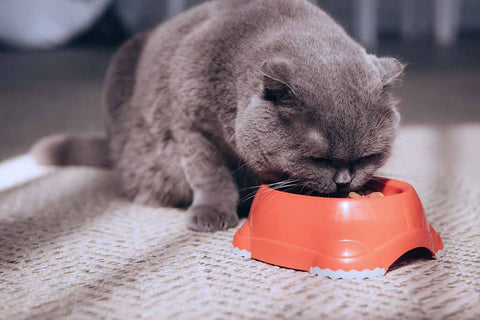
(54, 54)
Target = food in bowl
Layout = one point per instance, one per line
(373, 194)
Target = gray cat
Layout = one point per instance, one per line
(234, 93)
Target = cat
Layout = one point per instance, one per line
(231, 94)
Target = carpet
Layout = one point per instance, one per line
(71, 248)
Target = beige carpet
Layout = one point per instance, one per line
(70, 248)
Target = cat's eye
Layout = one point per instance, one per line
(368, 158)
(320, 160)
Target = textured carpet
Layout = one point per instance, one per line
(71, 248)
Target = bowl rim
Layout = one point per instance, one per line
(405, 187)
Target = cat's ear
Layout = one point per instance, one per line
(391, 70)
(276, 74)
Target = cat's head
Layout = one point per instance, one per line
(330, 126)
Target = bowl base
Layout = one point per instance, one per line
(353, 274)
(337, 274)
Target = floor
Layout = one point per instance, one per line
(48, 92)
(71, 248)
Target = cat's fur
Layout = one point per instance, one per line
(233, 93)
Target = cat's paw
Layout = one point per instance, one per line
(206, 218)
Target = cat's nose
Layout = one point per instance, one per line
(343, 179)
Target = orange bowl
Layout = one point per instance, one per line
(336, 237)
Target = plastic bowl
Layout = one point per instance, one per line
(337, 237)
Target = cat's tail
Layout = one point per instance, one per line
(72, 150)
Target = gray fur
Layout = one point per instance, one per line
(63, 149)
(233, 93)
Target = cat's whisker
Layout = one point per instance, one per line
(250, 188)
(275, 186)
(285, 185)
(271, 185)
(303, 187)
(283, 181)
(248, 196)
(289, 189)
(243, 165)
(253, 194)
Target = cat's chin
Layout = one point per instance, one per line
(313, 193)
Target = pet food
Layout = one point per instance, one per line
(376, 194)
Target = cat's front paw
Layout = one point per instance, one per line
(206, 218)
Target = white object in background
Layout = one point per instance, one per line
(446, 21)
(365, 21)
(175, 7)
(46, 23)
(20, 170)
